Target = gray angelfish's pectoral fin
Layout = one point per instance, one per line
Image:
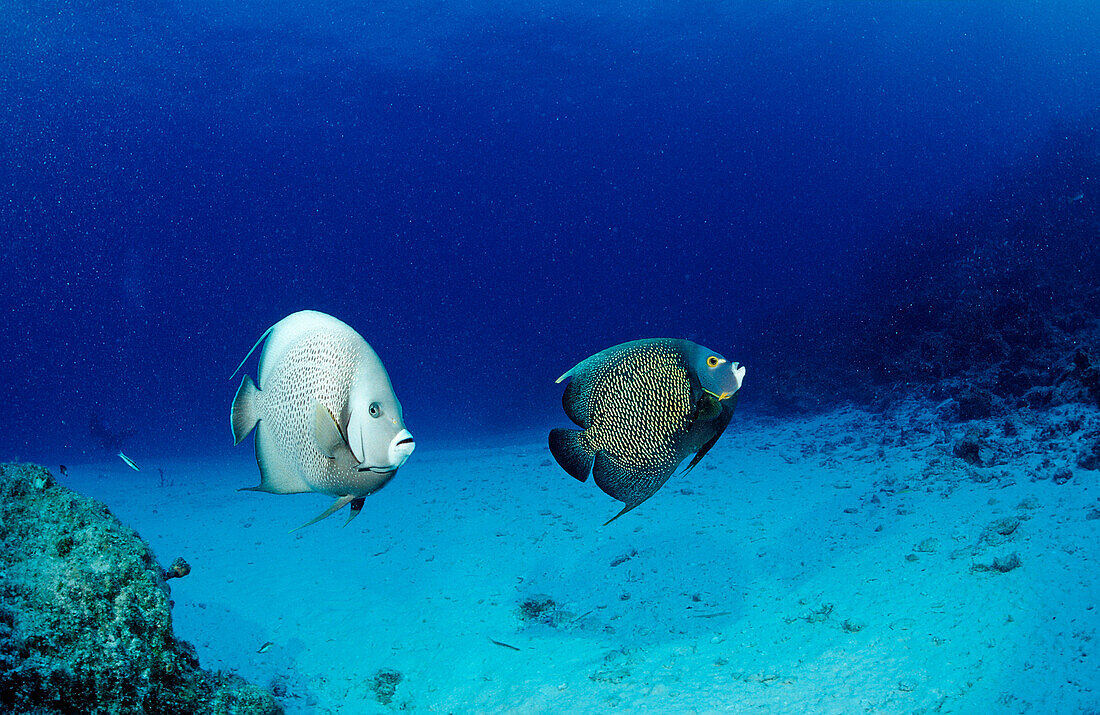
(336, 506)
(330, 438)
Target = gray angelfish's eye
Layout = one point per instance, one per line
(375, 410)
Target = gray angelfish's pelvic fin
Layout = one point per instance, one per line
(330, 439)
(354, 509)
(244, 416)
(336, 506)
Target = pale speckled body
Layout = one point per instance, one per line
(325, 414)
(321, 365)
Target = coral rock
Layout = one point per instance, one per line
(85, 625)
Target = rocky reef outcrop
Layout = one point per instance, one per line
(85, 615)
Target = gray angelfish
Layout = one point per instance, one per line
(644, 406)
(325, 414)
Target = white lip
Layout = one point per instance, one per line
(401, 446)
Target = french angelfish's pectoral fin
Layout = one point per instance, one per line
(719, 425)
(336, 506)
(707, 407)
(574, 458)
(330, 438)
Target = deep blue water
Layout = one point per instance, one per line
(488, 192)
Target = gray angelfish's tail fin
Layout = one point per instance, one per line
(572, 455)
(244, 416)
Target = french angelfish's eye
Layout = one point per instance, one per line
(713, 361)
(375, 409)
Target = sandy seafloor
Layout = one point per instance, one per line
(822, 565)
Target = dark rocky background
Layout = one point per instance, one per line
(994, 303)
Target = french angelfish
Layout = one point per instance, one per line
(643, 407)
(325, 414)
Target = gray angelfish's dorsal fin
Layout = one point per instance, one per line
(330, 439)
(266, 333)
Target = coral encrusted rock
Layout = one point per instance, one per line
(85, 620)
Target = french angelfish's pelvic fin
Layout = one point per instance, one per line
(243, 415)
(336, 506)
(355, 508)
(330, 438)
(574, 458)
(277, 475)
(719, 425)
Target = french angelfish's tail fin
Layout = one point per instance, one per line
(572, 455)
(244, 415)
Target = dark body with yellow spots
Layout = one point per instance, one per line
(644, 407)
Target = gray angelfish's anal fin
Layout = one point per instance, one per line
(336, 506)
(244, 415)
(330, 438)
(571, 454)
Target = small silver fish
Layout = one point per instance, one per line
(328, 420)
(129, 462)
(643, 407)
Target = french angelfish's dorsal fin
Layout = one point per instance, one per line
(336, 506)
(581, 378)
(330, 438)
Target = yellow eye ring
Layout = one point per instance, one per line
(713, 361)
